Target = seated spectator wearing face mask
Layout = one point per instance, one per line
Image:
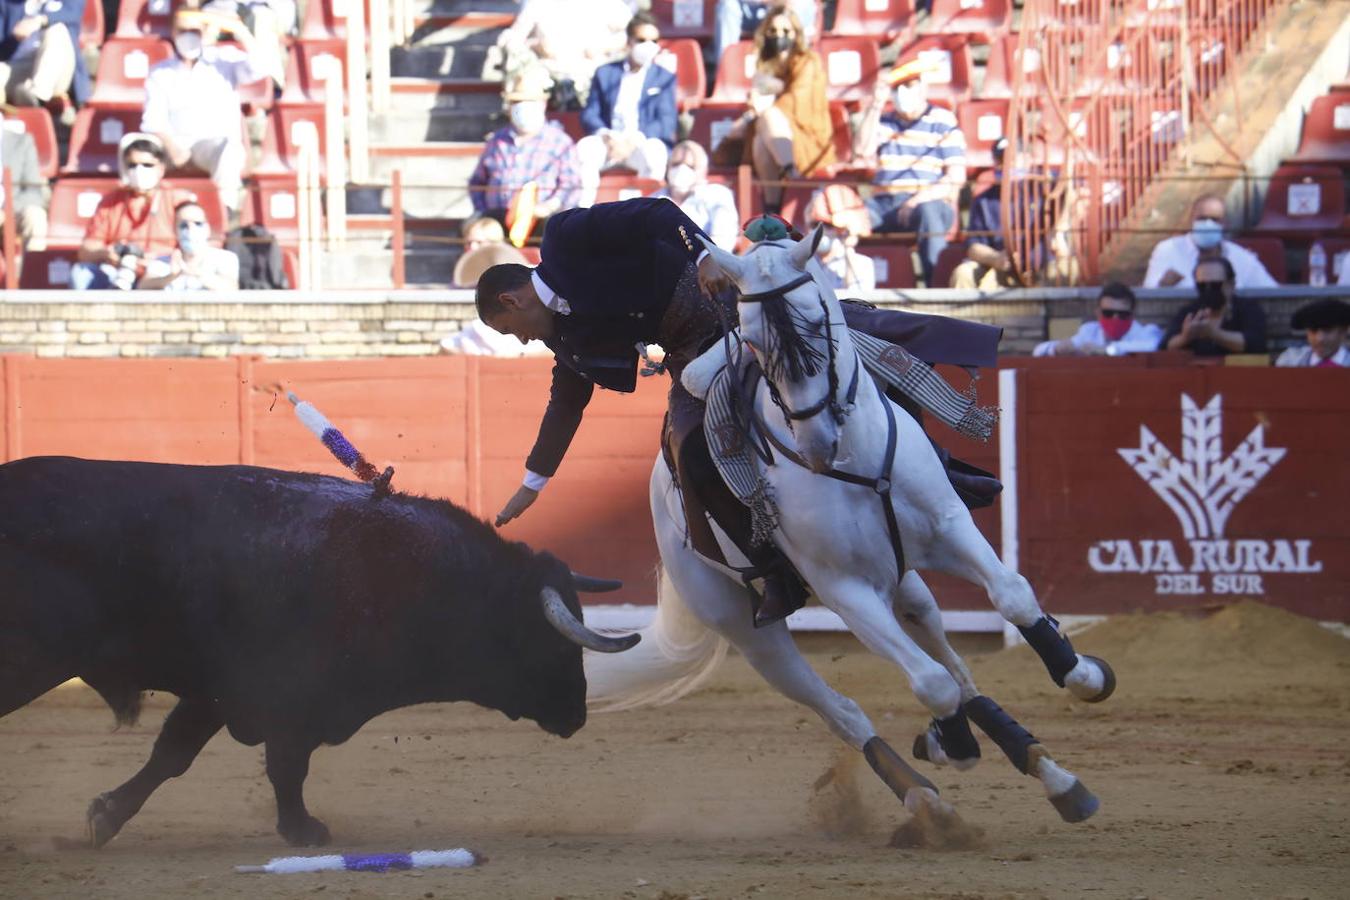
(630, 117)
(194, 265)
(738, 19)
(1114, 332)
(132, 223)
(921, 162)
(1173, 259)
(843, 219)
(1326, 321)
(531, 150)
(711, 206)
(1218, 322)
(18, 152)
(39, 52)
(192, 100)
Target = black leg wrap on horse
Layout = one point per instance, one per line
(1012, 738)
(955, 736)
(1052, 647)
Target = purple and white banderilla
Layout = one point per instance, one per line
(375, 862)
(339, 446)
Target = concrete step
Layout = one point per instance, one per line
(438, 61)
(444, 92)
(368, 264)
(472, 30)
(452, 124)
(465, 7)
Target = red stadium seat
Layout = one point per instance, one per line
(1326, 131)
(951, 256)
(1270, 250)
(319, 22)
(843, 134)
(142, 18)
(274, 204)
(950, 58)
(684, 58)
(290, 265)
(984, 123)
(75, 199)
(981, 17)
(851, 66)
(122, 67)
(45, 270)
(623, 184)
(684, 18)
(712, 121)
(999, 69)
(95, 136)
(735, 72)
(279, 144)
(91, 25)
(570, 120)
(306, 63)
(894, 262)
(36, 122)
(885, 20)
(1304, 200)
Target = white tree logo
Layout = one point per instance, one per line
(1202, 487)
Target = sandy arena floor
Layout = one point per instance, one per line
(1223, 765)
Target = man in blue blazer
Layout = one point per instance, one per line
(630, 117)
(620, 275)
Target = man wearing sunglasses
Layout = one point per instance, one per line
(1218, 322)
(194, 265)
(1114, 332)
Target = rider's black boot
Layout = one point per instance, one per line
(783, 592)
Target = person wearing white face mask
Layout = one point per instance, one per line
(921, 162)
(711, 206)
(1174, 259)
(530, 151)
(194, 265)
(844, 219)
(192, 100)
(131, 223)
(630, 118)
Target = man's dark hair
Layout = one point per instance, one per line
(638, 20)
(1117, 291)
(1228, 273)
(497, 280)
(144, 145)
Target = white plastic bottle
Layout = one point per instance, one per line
(1317, 265)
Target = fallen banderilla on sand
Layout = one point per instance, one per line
(458, 858)
(341, 448)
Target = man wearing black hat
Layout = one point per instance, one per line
(618, 276)
(1326, 321)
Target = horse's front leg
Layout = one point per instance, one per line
(962, 551)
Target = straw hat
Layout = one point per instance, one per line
(530, 84)
(473, 264)
(910, 70)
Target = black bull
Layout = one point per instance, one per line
(288, 608)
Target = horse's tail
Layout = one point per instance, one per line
(677, 654)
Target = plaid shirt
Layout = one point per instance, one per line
(549, 159)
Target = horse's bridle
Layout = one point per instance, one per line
(830, 401)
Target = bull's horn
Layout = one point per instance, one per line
(561, 618)
(595, 585)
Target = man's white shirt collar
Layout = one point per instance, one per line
(549, 296)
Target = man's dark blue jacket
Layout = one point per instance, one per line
(61, 13)
(656, 107)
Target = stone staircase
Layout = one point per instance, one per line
(441, 110)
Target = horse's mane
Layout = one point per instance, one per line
(789, 356)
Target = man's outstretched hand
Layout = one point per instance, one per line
(519, 502)
(711, 278)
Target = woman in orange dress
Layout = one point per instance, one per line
(786, 127)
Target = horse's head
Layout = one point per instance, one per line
(795, 327)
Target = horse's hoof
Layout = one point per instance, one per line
(1077, 804)
(307, 833)
(1108, 681)
(100, 823)
(1092, 680)
(920, 750)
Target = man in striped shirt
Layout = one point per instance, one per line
(921, 162)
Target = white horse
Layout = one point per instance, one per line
(817, 403)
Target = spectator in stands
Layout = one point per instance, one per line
(1173, 259)
(192, 100)
(270, 22)
(39, 55)
(1114, 332)
(193, 265)
(711, 206)
(569, 37)
(132, 223)
(531, 150)
(630, 117)
(1326, 322)
(1219, 322)
(785, 131)
(19, 155)
(843, 219)
(921, 162)
(739, 19)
